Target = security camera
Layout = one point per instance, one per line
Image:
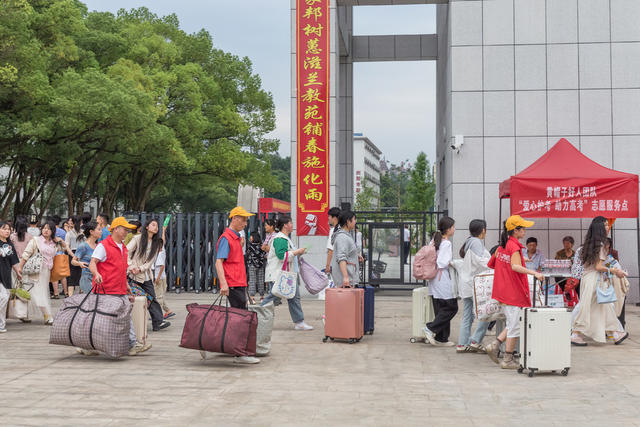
(457, 143)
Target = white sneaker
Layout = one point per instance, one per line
(444, 344)
(3, 330)
(246, 360)
(302, 326)
(429, 335)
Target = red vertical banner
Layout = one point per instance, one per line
(312, 75)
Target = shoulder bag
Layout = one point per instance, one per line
(34, 263)
(285, 285)
(605, 295)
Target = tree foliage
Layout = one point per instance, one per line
(421, 189)
(122, 107)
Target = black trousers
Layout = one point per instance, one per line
(154, 308)
(621, 317)
(445, 310)
(407, 250)
(238, 297)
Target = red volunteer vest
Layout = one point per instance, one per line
(113, 270)
(234, 269)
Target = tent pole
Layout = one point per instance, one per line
(500, 220)
(638, 249)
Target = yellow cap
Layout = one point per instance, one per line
(516, 221)
(239, 211)
(121, 222)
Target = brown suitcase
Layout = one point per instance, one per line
(344, 314)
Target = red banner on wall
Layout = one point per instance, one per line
(313, 64)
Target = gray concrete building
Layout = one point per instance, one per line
(513, 77)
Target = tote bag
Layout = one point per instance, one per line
(286, 282)
(60, 268)
(605, 295)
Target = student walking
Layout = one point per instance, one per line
(8, 263)
(344, 263)
(74, 237)
(475, 257)
(143, 251)
(283, 250)
(596, 320)
(445, 305)
(82, 257)
(160, 282)
(510, 286)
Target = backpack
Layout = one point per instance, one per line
(424, 263)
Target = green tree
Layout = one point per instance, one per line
(421, 188)
(281, 170)
(393, 187)
(115, 107)
(367, 199)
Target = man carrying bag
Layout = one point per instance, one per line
(230, 328)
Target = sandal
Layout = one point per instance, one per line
(577, 340)
(622, 338)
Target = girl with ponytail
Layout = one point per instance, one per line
(445, 305)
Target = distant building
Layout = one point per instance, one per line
(366, 165)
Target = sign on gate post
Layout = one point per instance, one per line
(313, 64)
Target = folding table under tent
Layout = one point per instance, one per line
(564, 183)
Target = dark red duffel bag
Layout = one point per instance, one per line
(220, 329)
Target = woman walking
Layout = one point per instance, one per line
(445, 305)
(510, 286)
(20, 237)
(82, 256)
(74, 237)
(45, 245)
(344, 262)
(142, 251)
(283, 249)
(8, 263)
(596, 320)
(475, 257)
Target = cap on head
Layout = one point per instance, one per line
(516, 221)
(239, 211)
(121, 222)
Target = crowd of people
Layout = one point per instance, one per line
(129, 258)
(512, 264)
(29, 249)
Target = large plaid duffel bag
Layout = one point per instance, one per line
(94, 322)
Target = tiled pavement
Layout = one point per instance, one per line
(383, 380)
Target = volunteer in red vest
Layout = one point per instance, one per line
(230, 266)
(510, 286)
(109, 268)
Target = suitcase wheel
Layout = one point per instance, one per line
(412, 340)
(351, 340)
(565, 372)
(520, 370)
(325, 339)
(530, 374)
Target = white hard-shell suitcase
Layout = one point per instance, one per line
(422, 313)
(545, 340)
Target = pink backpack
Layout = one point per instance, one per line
(424, 263)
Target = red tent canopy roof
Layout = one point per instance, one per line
(563, 161)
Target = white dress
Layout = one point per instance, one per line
(39, 283)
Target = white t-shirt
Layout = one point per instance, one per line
(329, 245)
(160, 262)
(407, 235)
(440, 286)
(100, 253)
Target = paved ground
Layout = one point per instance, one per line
(383, 380)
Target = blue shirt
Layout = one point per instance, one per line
(61, 233)
(84, 253)
(105, 234)
(223, 247)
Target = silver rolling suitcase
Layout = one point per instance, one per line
(545, 340)
(421, 313)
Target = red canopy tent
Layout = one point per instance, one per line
(564, 183)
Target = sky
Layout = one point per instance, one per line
(394, 102)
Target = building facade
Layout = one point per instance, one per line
(366, 166)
